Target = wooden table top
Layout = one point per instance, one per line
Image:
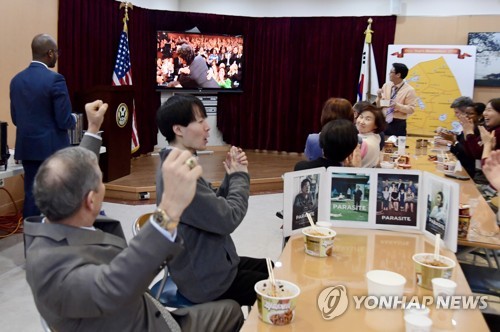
(357, 251)
(483, 230)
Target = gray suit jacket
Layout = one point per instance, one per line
(208, 265)
(198, 72)
(84, 280)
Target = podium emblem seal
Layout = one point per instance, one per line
(122, 115)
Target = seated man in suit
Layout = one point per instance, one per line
(84, 279)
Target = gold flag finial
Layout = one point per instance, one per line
(368, 32)
(127, 5)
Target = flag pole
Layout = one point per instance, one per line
(122, 74)
(126, 5)
(368, 40)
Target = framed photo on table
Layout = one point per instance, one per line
(398, 200)
(487, 57)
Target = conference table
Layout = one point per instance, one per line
(483, 231)
(357, 251)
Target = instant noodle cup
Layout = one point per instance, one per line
(318, 241)
(276, 305)
(463, 226)
(464, 209)
(426, 268)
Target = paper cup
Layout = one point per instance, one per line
(276, 308)
(318, 241)
(386, 164)
(418, 309)
(384, 283)
(441, 158)
(449, 166)
(443, 287)
(463, 226)
(425, 271)
(417, 323)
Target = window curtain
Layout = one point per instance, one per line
(291, 66)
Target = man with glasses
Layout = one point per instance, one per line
(467, 120)
(41, 110)
(398, 98)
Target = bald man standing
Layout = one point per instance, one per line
(41, 110)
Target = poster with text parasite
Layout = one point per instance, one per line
(397, 199)
(350, 197)
(440, 200)
(305, 200)
(438, 207)
(301, 196)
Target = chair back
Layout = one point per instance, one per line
(165, 289)
(139, 222)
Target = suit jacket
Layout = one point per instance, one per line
(208, 265)
(41, 110)
(198, 72)
(84, 280)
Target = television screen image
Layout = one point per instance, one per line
(193, 61)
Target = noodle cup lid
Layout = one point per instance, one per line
(282, 286)
(426, 257)
(327, 232)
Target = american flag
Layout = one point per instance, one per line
(122, 75)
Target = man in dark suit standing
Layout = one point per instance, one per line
(41, 110)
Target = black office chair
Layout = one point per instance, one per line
(484, 280)
(164, 290)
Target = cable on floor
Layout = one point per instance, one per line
(11, 224)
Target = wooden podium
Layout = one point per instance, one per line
(116, 128)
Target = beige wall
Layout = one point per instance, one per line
(447, 31)
(20, 20)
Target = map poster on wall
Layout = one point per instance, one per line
(439, 74)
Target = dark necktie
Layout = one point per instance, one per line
(389, 116)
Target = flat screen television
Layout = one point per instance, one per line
(199, 62)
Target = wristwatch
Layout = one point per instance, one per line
(162, 218)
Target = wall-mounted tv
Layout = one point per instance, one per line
(199, 62)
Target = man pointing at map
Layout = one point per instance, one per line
(398, 99)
